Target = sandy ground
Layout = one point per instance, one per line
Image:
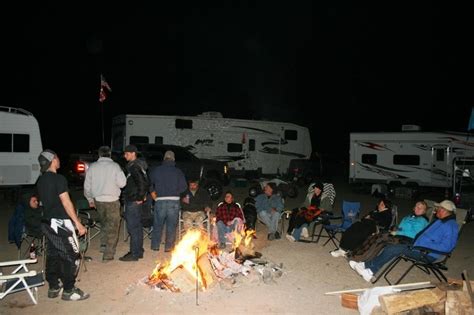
(309, 272)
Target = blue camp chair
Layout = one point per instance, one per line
(350, 214)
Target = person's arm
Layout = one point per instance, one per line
(88, 189)
(120, 178)
(326, 205)
(71, 212)
(260, 203)
(277, 203)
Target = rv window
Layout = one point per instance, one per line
(21, 143)
(369, 159)
(440, 155)
(138, 139)
(252, 145)
(183, 124)
(234, 147)
(291, 135)
(5, 142)
(158, 140)
(406, 159)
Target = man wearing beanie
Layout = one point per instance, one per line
(59, 223)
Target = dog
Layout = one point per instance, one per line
(250, 213)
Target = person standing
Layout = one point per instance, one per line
(196, 204)
(59, 223)
(168, 183)
(134, 194)
(102, 185)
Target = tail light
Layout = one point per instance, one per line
(296, 170)
(457, 199)
(79, 167)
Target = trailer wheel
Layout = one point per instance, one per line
(214, 188)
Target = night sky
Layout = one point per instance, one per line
(359, 68)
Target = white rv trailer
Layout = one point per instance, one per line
(407, 158)
(264, 147)
(20, 145)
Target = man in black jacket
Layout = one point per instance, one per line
(196, 205)
(135, 194)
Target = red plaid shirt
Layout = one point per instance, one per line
(228, 212)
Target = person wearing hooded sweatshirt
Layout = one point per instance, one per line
(26, 218)
(440, 235)
(134, 193)
(168, 183)
(314, 205)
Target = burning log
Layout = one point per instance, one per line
(242, 253)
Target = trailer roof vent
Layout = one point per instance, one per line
(411, 128)
(211, 115)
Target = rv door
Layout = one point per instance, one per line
(440, 166)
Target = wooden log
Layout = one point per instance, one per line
(458, 303)
(400, 302)
(208, 275)
(183, 280)
(350, 300)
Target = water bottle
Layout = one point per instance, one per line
(33, 251)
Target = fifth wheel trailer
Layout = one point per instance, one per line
(20, 145)
(255, 146)
(425, 159)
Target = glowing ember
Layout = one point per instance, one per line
(186, 253)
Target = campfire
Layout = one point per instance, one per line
(196, 262)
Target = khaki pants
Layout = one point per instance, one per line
(109, 216)
(193, 219)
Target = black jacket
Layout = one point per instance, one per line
(137, 181)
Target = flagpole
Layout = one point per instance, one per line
(102, 122)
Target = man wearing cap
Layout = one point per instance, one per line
(440, 235)
(196, 204)
(168, 183)
(134, 194)
(59, 223)
(269, 206)
(102, 185)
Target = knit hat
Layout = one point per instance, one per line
(45, 158)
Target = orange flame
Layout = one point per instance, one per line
(245, 236)
(186, 253)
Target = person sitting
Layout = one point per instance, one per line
(26, 218)
(440, 235)
(269, 206)
(229, 218)
(317, 203)
(406, 232)
(359, 231)
(196, 205)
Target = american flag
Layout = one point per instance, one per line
(104, 89)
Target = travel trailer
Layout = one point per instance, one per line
(20, 145)
(255, 146)
(411, 158)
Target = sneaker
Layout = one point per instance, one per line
(366, 273)
(107, 259)
(355, 264)
(304, 232)
(338, 253)
(271, 236)
(128, 257)
(290, 238)
(75, 294)
(277, 235)
(54, 292)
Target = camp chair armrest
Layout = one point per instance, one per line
(18, 275)
(427, 250)
(17, 262)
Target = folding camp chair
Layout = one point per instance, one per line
(147, 221)
(20, 279)
(435, 267)
(181, 231)
(350, 214)
(32, 235)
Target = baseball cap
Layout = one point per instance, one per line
(45, 158)
(169, 155)
(130, 148)
(446, 204)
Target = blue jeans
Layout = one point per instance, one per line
(392, 251)
(133, 216)
(297, 231)
(270, 219)
(166, 213)
(222, 229)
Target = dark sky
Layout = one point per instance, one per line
(359, 68)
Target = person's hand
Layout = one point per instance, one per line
(91, 204)
(139, 202)
(81, 229)
(274, 210)
(207, 209)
